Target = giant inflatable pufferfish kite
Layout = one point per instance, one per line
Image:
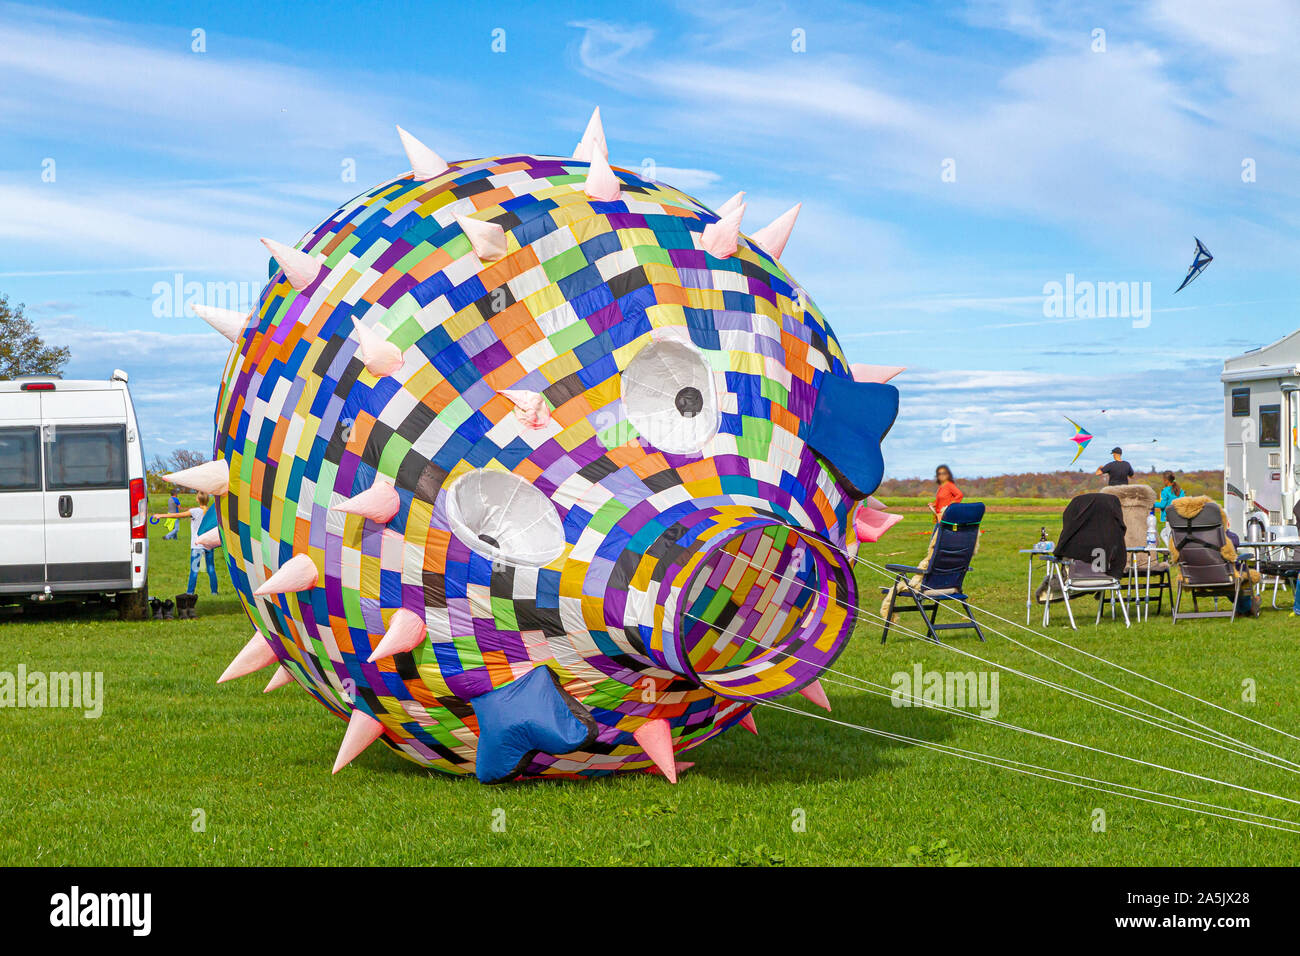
(532, 467)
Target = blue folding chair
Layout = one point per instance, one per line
(951, 549)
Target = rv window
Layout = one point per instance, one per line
(1240, 402)
(20, 460)
(1270, 426)
(85, 457)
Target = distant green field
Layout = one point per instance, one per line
(172, 751)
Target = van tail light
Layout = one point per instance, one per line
(139, 505)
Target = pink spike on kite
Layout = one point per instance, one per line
(816, 694)
(732, 204)
(774, 236)
(380, 356)
(871, 524)
(875, 373)
(297, 574)
(425, 163)
(211, 476)
(656, 739)
(748, 723)
(721, 238)
(209, 539)
(225, 321)
(363, 730)
(300, 268)
(380, 502)
(406, 631)
(278, 679)
(530, 407)
(601, 184)
(256, 654)
(487, 238)
(593, 139)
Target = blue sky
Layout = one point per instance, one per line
(1071, 156)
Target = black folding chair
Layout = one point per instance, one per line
(951, 548)
(1203, 571)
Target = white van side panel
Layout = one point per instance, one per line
(22, 523)
(87, 501)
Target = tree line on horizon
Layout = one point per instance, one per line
(1051, 484)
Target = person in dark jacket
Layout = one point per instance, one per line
(1117, 471)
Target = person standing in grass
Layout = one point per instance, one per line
(947, 493)
(1117, 471)
(198, 554)
(1171, 490)
(173, 504)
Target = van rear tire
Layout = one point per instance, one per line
(134, 605)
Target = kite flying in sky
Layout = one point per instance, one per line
(1199, 263)
(1081, 438)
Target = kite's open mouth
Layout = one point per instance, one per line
(765, 610)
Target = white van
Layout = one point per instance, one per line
(73, 502)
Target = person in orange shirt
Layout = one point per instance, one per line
(947, 494)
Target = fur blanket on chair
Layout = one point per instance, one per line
(1189, 508)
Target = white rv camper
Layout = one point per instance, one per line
(1261, 463)
(73, 508)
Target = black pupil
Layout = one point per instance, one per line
(689, 402)
(488, 539)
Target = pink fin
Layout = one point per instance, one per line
(875, 373)
(601, 184)
(425, 163)
(721, 238)
(816, 694)
(656, 739)
(363, 730)
(255, 655)
(296, 574)
(405, 632)
(872, 524)
(734, 203)
(278, 679)
(209, 539)
(300, 268)
(379, 503)
(487, 238)
(748, 723)
(774, 236)
(211, 476)
(380, 356)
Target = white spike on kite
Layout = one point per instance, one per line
(775, 234)
(721, 238)
(380, 356)
(487, 238)
(406, 631)
(363, 730)
(229, 323)
(593, 139)
(379, 502)
(601, 184)
(255, 655)
(656, 739)
(425, 163)
(299, 268)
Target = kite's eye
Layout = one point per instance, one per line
(670, 399)
(503, 517)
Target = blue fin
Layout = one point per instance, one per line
(530, 715)
(848, 424)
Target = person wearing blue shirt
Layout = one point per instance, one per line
(1170, 491)
(173, 505)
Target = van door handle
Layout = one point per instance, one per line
(65, 506)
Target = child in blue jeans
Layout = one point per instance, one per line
(198, 555)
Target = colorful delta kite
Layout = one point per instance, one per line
(1200, 262)
(1081, 438)
(532, 467)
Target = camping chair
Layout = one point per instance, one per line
(1281, 561)
(1204, 559)
(1137, 501)
(1090, 558)
(938, 577)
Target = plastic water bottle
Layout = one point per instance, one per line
(1151, 529)
(1043, 544)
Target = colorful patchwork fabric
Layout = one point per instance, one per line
(642, 515)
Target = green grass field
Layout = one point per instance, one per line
(180, 771)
